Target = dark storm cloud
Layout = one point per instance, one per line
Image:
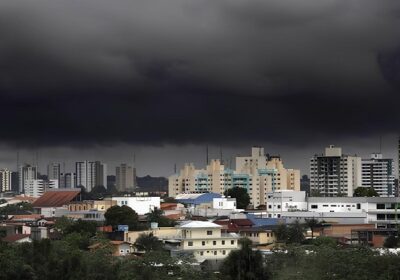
(153, 72)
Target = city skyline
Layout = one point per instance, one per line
(284, 75)
(147, 162)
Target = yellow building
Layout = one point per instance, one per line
(206, 241)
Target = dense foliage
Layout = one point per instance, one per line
(122, 215)
(365, 192)
(241, 195)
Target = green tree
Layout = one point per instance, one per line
(312, 224)
(296, 232)
(241, 195)
(391, 242)
(324, 241)
(156, 216)
(63, 223)
(244, 264)
(281, 232)
(122, 215)
(148, 242)
(365, 192)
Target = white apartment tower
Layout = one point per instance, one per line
(334, 174)
(125, 176)
(26, 172)
(35, 188)
(90, 174)
(54, 171)
(5, 180)
(378, 172)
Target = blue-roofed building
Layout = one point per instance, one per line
(194, 199)
(263, 220)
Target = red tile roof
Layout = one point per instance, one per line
(168, 206)
(55, 198)
(26, 217)
(15, 237)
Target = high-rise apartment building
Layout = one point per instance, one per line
(67, 180)
(90, 174)
(259, 174)
(54, 171)
(26, 172)
(334, 174)
(378, 172)
(125, 178)
(35, 188)
(5, 180)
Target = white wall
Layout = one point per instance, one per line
(141, 205)
(224, 203)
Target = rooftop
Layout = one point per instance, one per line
(200, 224)
(56, 198)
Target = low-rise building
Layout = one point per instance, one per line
(141, 204)
(205, 241)
(226, 203)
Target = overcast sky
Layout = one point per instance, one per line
(100, 79)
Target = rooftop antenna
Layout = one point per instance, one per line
(175, 168)
(220, 154)
(206, 155)
(380, 144)
(17, 161)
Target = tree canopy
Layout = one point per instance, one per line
(244, 264)
(365, 192)
(241, 195)
(122, 215)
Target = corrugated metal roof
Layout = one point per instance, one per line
(55, 198)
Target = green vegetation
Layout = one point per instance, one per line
(156, 216)
(148, 242)
(15, 209)
(328, 263)
(293, 233)
(241, 195)
(244, 264)
(365, 192)
(122, 215)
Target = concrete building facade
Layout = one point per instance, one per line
(36, 188)
(125, 177)
(334, 174)
(259, 174)
(5, 180)
(378, 173)
(90, 174)
(26, 172)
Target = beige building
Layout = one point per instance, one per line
(259, 174)
(125, 178)
(99, 205)
(206, 241)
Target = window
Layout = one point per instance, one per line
(378, 206)
(214, 242)
(201, 253)
(314, 206)
(203, 243)
(209, 232)
(190, 243)
(223, 252)
(232, 242)
(223, 242)
(215, 253)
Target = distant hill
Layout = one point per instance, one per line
(148, 183)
